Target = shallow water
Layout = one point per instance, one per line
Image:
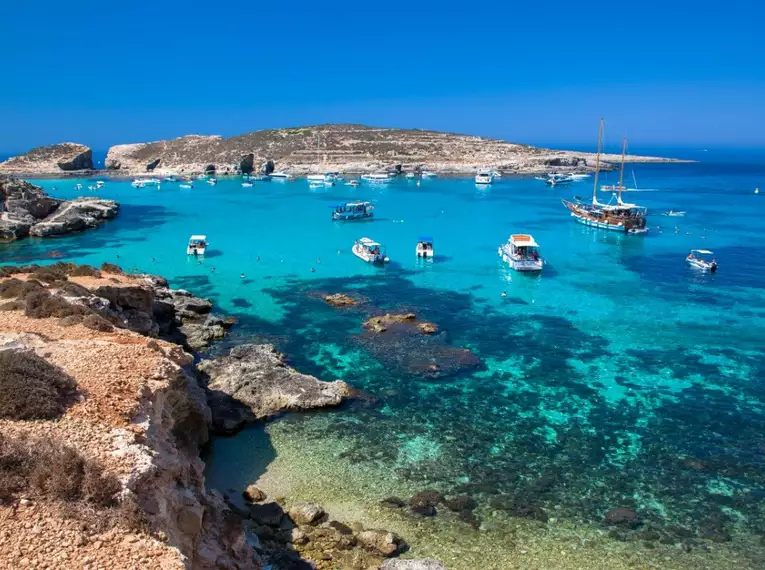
(620, 377)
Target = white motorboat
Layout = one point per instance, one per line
(377, 177)
(78, 186)
(521, 253)
(197, 245)
(171, 179)
(428, 174)
(212, 181)
(558, 179)
(370, 251)
(353, 183)
(246, 184)
(281, 175)
(186, 186)
(352, 211)
(320, 178)
(143, 182)
(424, 247)
(92, 187)
(702, 259)
(315, 185)
(201, 176)
(674, 214)
(410, 175)
(100, 183)
(484, 177)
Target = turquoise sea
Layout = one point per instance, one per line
(620, 377)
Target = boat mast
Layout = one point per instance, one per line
(597, 164)
(621, 172)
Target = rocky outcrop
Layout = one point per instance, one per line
(247, 164)
(254, 382)
(340, 300)
(52, 159)
(401, 321)
(348, 148)
(25, 209)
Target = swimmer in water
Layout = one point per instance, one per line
(242, 276)
(503, 294)
(312, 270)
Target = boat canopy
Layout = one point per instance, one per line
(702, 251)
(425, 239)
(366, 242)
(351, 205)
(198, 238)
(523, 240)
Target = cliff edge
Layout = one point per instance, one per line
(51, 159)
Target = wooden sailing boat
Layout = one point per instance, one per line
(621, 216)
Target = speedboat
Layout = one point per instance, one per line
(201, 176)
(428, 174)
(353, 183)
(92, 187)
(370, 251)
(521, 253)
(186, 186)
(315, 185)
(558, 179)
(78, 186)
(352, 211)
(100, 183)
(701, 259)
(424, 247)
(197, 245)
(410, 175)
(377, 177)
(246, 184)
(281, 175)
(484, 177)
(212, 181)
(674, 214)
(316, 178)
(171, 179)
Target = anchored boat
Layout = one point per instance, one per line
(197, 245)
(377, 177)
(424, 247)
(702, 259)
(352, 211)
(521, 252)
(484, 177)
(370, 251)
(616, 215)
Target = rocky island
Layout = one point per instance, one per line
(52, 159)
(26, 210)
(102, 416)
(333, 147)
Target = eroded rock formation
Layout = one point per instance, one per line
(25, 209)
(52, 159)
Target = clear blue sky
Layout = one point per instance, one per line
(538, 72)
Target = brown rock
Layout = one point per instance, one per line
(253, 495)
(303, 513)
(340, 300)
(382, 542)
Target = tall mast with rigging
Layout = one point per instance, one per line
(621, 171)
(597, 164)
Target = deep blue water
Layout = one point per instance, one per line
(619, 377)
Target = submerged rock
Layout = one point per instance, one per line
(303, 513)
(414, 564)
(381, 542)
(253, 494)
(622, 516)
(382, 323)
(393, 503)
(253, 382)
(340, 300)
(267, 514)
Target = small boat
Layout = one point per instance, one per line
(424, 247)
(201, 176)
(170, 179)
(143, 182)
(316, 178)
(186, 186)
(212, 181)
(370, 251)
(100, 183)
(197, 245)
(280, 175)
(78, 186)
(93, 187)
(260, 178)
(484, 177)
(410, 175)
(674, 214)
(558, 179)
(315, 185)
(377, 177)
(701, 259)
(353, 183)
(521, 253)
(246, 184)
(352, 211)
(428, 174)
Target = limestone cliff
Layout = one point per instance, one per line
(348, 148)
(26, 210)
(63, 157)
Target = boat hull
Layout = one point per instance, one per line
(349, 218)
(701, 265)
(631, 225)
(424, 253)
(520, 264)
(368, 258)
(195, 251)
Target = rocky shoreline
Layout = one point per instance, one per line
(138, 409)
(353, 149)
(26, 210)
